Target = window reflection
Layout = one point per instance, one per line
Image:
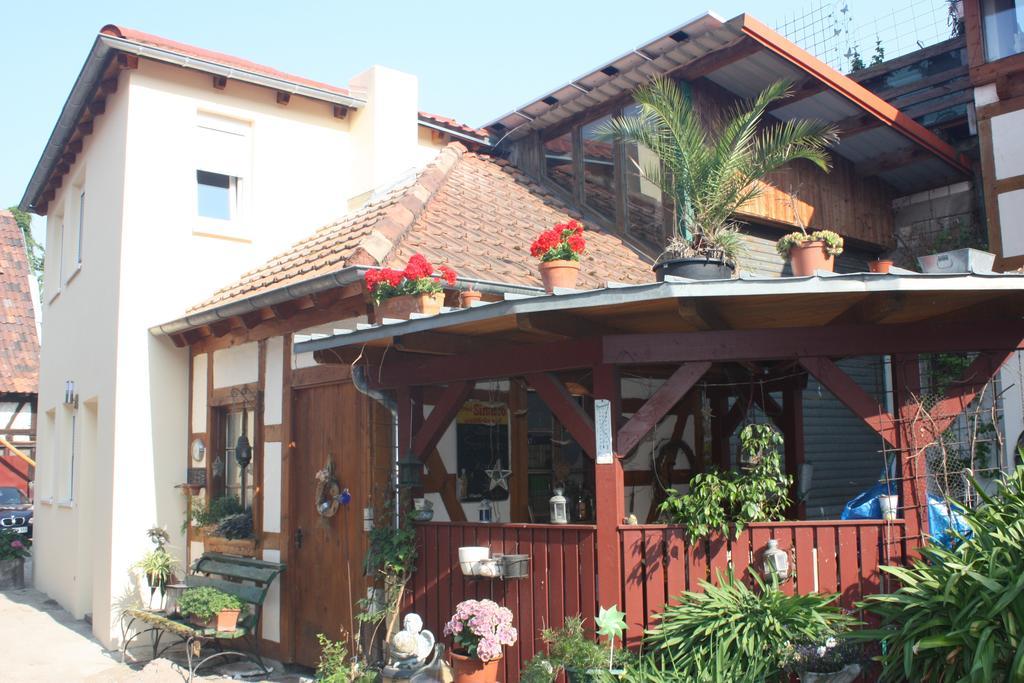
(1003, 25)
(599, 183)
(644, 209)
(558, 161)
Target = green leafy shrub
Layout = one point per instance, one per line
(14, 546)
(724, 501)
(734, 628)
(205, 602)
(570, 648)
(208, 514)
(959, 615)
(653, 669)
(236, 526)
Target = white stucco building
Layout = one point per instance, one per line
(170, 172)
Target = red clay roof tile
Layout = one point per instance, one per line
(478, 215)
(19, 344)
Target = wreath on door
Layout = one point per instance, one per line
(328, 491)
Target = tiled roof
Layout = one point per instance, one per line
(472, 212)
(452, 124)
(218, 57)
(19, 345)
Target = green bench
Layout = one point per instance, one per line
(245, 578)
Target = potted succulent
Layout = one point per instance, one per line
(415, 289)
(559, 250)
(810, 251)
(711, 169)
(14, 548)
(208, 607)
(833, 661)
(479, 629)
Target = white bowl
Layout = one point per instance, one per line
(471, 554)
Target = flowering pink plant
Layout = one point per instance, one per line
(481, 627)
(13, 546)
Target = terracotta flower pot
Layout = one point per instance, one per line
(808, 257)
(879, 266)
(401, 307)
(471, 670)
(467, 298)
(224, 622)
(559, 273)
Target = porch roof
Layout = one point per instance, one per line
(679, 305)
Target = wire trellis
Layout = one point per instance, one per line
(835, 33)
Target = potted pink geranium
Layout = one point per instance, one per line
(479, 629)
(14, 548)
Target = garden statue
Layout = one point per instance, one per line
(411, 646)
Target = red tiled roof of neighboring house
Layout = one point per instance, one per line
(19, 344)
(472, 212)
(452, 124)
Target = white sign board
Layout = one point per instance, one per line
(603, 431)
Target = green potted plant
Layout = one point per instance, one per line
(710, 167)
(225, 526)
(14, 548)
(208, 607)
(831, 660)
(810, 251)
(569, 648)
(415, 289)
(559, 250)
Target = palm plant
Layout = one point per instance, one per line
(709, 163)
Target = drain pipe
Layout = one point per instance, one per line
(362, 385)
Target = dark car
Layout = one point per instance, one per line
(15, 511)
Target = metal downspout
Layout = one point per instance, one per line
(361, 384)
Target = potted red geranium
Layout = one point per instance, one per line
(415, 289)
(559, 252)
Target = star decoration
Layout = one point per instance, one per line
(498, 477)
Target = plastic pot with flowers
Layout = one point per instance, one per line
(414, 289)
(14, 548)
(559, 252)
(479, 629)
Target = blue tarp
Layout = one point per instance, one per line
(941, 518)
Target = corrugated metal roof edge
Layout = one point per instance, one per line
(565, 300)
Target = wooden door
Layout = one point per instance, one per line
(325, 574)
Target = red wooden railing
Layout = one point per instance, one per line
(562, 579)
(828, 557)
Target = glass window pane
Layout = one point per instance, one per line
(599, 185)
(1003, 24)
(644, 209)
(233, 477)
(214, 195)
(558, 164)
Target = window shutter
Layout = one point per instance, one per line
(223, 146)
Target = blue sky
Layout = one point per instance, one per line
(475, 60)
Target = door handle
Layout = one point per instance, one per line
(298, 537)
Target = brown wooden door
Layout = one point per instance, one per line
(325, 574)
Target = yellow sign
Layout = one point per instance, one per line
(483, 413)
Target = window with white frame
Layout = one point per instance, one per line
(54, 255)
(67, 445)
(81, 227)
(223, 167)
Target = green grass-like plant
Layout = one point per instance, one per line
(731, 627)
(205, 603)
(959, 615)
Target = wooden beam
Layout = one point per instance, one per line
(890, 161)
(857, 124)
(913, 476)
(713, 61)
(700, 315)
(609, 490)
(797, 342)
(220, 82)
(283, 97)
(426, 437)
(127, 61)
(801, 90)
(960, 395)
(659, 404)
(792, 425)
(222, 327)
(97, 106)
(179, 340)
(566, 409)
(340, 111)
(74, 147)
(871, 309)
(108, 86)
(436, 343)
(850, 394)
(558, 325)
(85, 127)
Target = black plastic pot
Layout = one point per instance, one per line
(694, 269)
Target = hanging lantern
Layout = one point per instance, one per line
(485, 511)
(776, 561)
(410, 471)
(243, 451)
(559, 508)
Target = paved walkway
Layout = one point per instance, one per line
(42, 643)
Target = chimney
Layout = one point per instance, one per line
(384, 132)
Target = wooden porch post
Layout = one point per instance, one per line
(609, 485)
(793, 433)
(913, 474)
